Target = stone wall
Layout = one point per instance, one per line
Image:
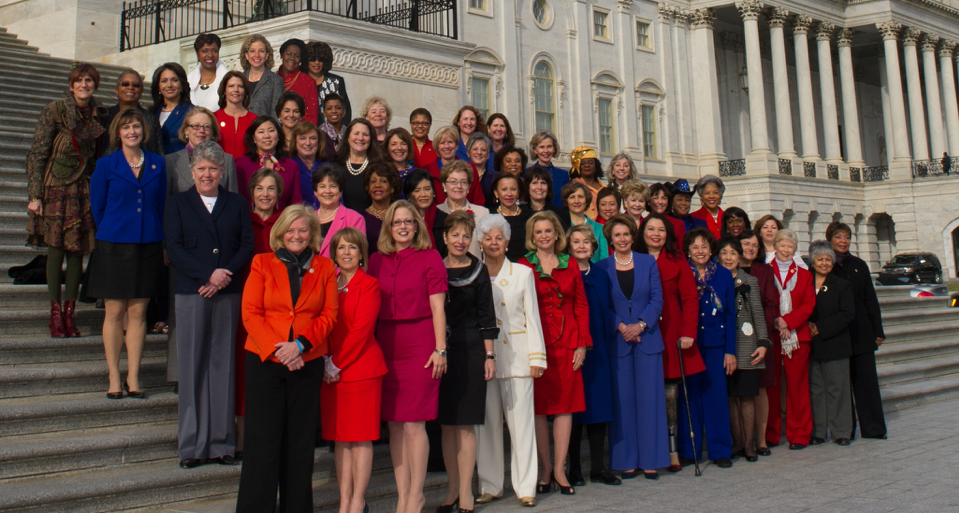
(70, 29)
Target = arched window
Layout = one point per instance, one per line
(543, 97)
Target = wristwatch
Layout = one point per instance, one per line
(644, 325)
(441, 352)
(490, 355)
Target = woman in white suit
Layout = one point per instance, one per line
(520, 353)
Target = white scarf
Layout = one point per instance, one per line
(785, 307)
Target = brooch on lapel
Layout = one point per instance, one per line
(504, 282)
(825, 288)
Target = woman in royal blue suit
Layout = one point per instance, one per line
(638, 436)
(716, 341)
(171, 103)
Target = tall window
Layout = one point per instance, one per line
(543, 97)
(599, 24)
(606, 126)
(478, 4)
(642, 34)
(649, 132)
(480, 95)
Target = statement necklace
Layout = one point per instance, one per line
(357, 172)
(505, 213)
(624, 264)
(138, 164)
(377, 213)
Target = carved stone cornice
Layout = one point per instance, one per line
(911, 37)
(948, 46)
(665, 12)
(750, 9)
(777, 16)
(399, 68)
(801, 23)
(889, 29)
(624, 5)
(703, 18)
(825, 31)
(930, 43)
(845, 37)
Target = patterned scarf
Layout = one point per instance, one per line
(786, 304)
(703, 283)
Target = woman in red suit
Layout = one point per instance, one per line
(796, 303)
(565, 315)
(710, 189)
(680, 316)
(289, 309)
(352, 388)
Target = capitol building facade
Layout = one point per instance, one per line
(814, 111)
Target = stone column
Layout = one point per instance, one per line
(628, 140)
(750, 10)
(917, 118)
(890, 41)
(949, 95)
(784, 117)
(807, 114)
(937, 139)
(850, 111)
(706, 86)
(827, 91)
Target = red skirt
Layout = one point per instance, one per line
(692, 361)
(560, 389)
(350, 411)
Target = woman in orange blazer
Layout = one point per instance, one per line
(352, 390)
(289, 310)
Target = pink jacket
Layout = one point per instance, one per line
(344, 218)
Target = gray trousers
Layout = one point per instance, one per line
(830, 395)
(206, 337)
(172, 365)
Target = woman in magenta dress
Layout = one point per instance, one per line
(412, 333)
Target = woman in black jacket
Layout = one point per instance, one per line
(831, 347)
(866, 333)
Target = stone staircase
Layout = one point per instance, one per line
(65, 447)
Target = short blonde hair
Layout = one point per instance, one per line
(421, 241)
(196, 110)
(245, 47)
(373, 100)
(352, 236)
(545, 215)
(290, 214)
(447, 131)
(786, 234)
(587, 231)
(541, 136)
(629, 160)
(635, 188)
(452, 167)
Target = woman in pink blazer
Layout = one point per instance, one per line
(328, 186)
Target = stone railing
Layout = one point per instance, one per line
(875, 173)
(786, 167)
(736, 167)
(855, 174)
(832, 171)
(926, 168)
(809, 169)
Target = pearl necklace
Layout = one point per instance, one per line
(624, 264)
(138, 164)
(500, 210)
(349, 167)
(329, 217)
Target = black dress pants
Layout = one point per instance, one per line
(867, 400)
(281, 417)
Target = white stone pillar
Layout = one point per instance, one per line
(807, 113)
(663, 34)
(827, 91)
(850, 110)
(917, 117)
(890, 40)
(949, 95)
(750, 10)
(937, 139)
(784, 117)
(706, 86)
(886, 111)
(627, 140)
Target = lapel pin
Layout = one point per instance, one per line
(311, 271)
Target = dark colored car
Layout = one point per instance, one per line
(907, 268)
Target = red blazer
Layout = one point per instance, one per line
(715, 227)
(261, 231)
(769, 296)
(475, 194)
(679, 227)
(422, 158)
(803, 299)
(563, 308)
(268, 311)
(303, 85)
(353, 346)
(232, 133)
(680, 316)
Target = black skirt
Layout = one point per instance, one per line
(743, 383)
(462, 400)
(126, 271)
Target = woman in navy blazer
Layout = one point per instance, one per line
(127, 196)
(708, 401)
(638, 436)
(171, 103)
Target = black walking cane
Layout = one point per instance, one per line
(689, 413)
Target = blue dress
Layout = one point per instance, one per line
(597, 371)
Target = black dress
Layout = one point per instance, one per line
(470, 319)
(517, 238)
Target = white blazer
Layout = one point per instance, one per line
(206, 97)
(520, 344)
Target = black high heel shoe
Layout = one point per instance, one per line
(449, 508)
(565, 490)
(136, 394)
(544, 488)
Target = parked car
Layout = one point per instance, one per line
(907, 268)
(930, 291)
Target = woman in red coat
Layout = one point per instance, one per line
(564, 312)
(796, 303)
(293, 69)
(352, 390)
(680, 316)
(710, 189)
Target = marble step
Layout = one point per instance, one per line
(34, 323)
(915, 393)
(43, 350)
(66, 379)
(918, 369)
(933, 313)
(922, 332)
(907, 351)
(49, 414)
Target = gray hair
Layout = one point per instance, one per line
(490, 222)
(633, 174)
(710, 179)
(785, 234)
(476, 137)
(821, 247)
(209, 151)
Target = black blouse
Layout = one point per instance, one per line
(470, 300)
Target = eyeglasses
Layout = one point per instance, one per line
(201, 128)
(135, 85)
(420, 123)
(403, 222)
(462, 183)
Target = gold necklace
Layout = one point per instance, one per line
(500, 210)
(377, 213)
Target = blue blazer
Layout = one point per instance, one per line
(598, 368)
(645, 303)
(169, 131)
(125, 209)
(717, 327)
(691, 222)
(200, 242)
